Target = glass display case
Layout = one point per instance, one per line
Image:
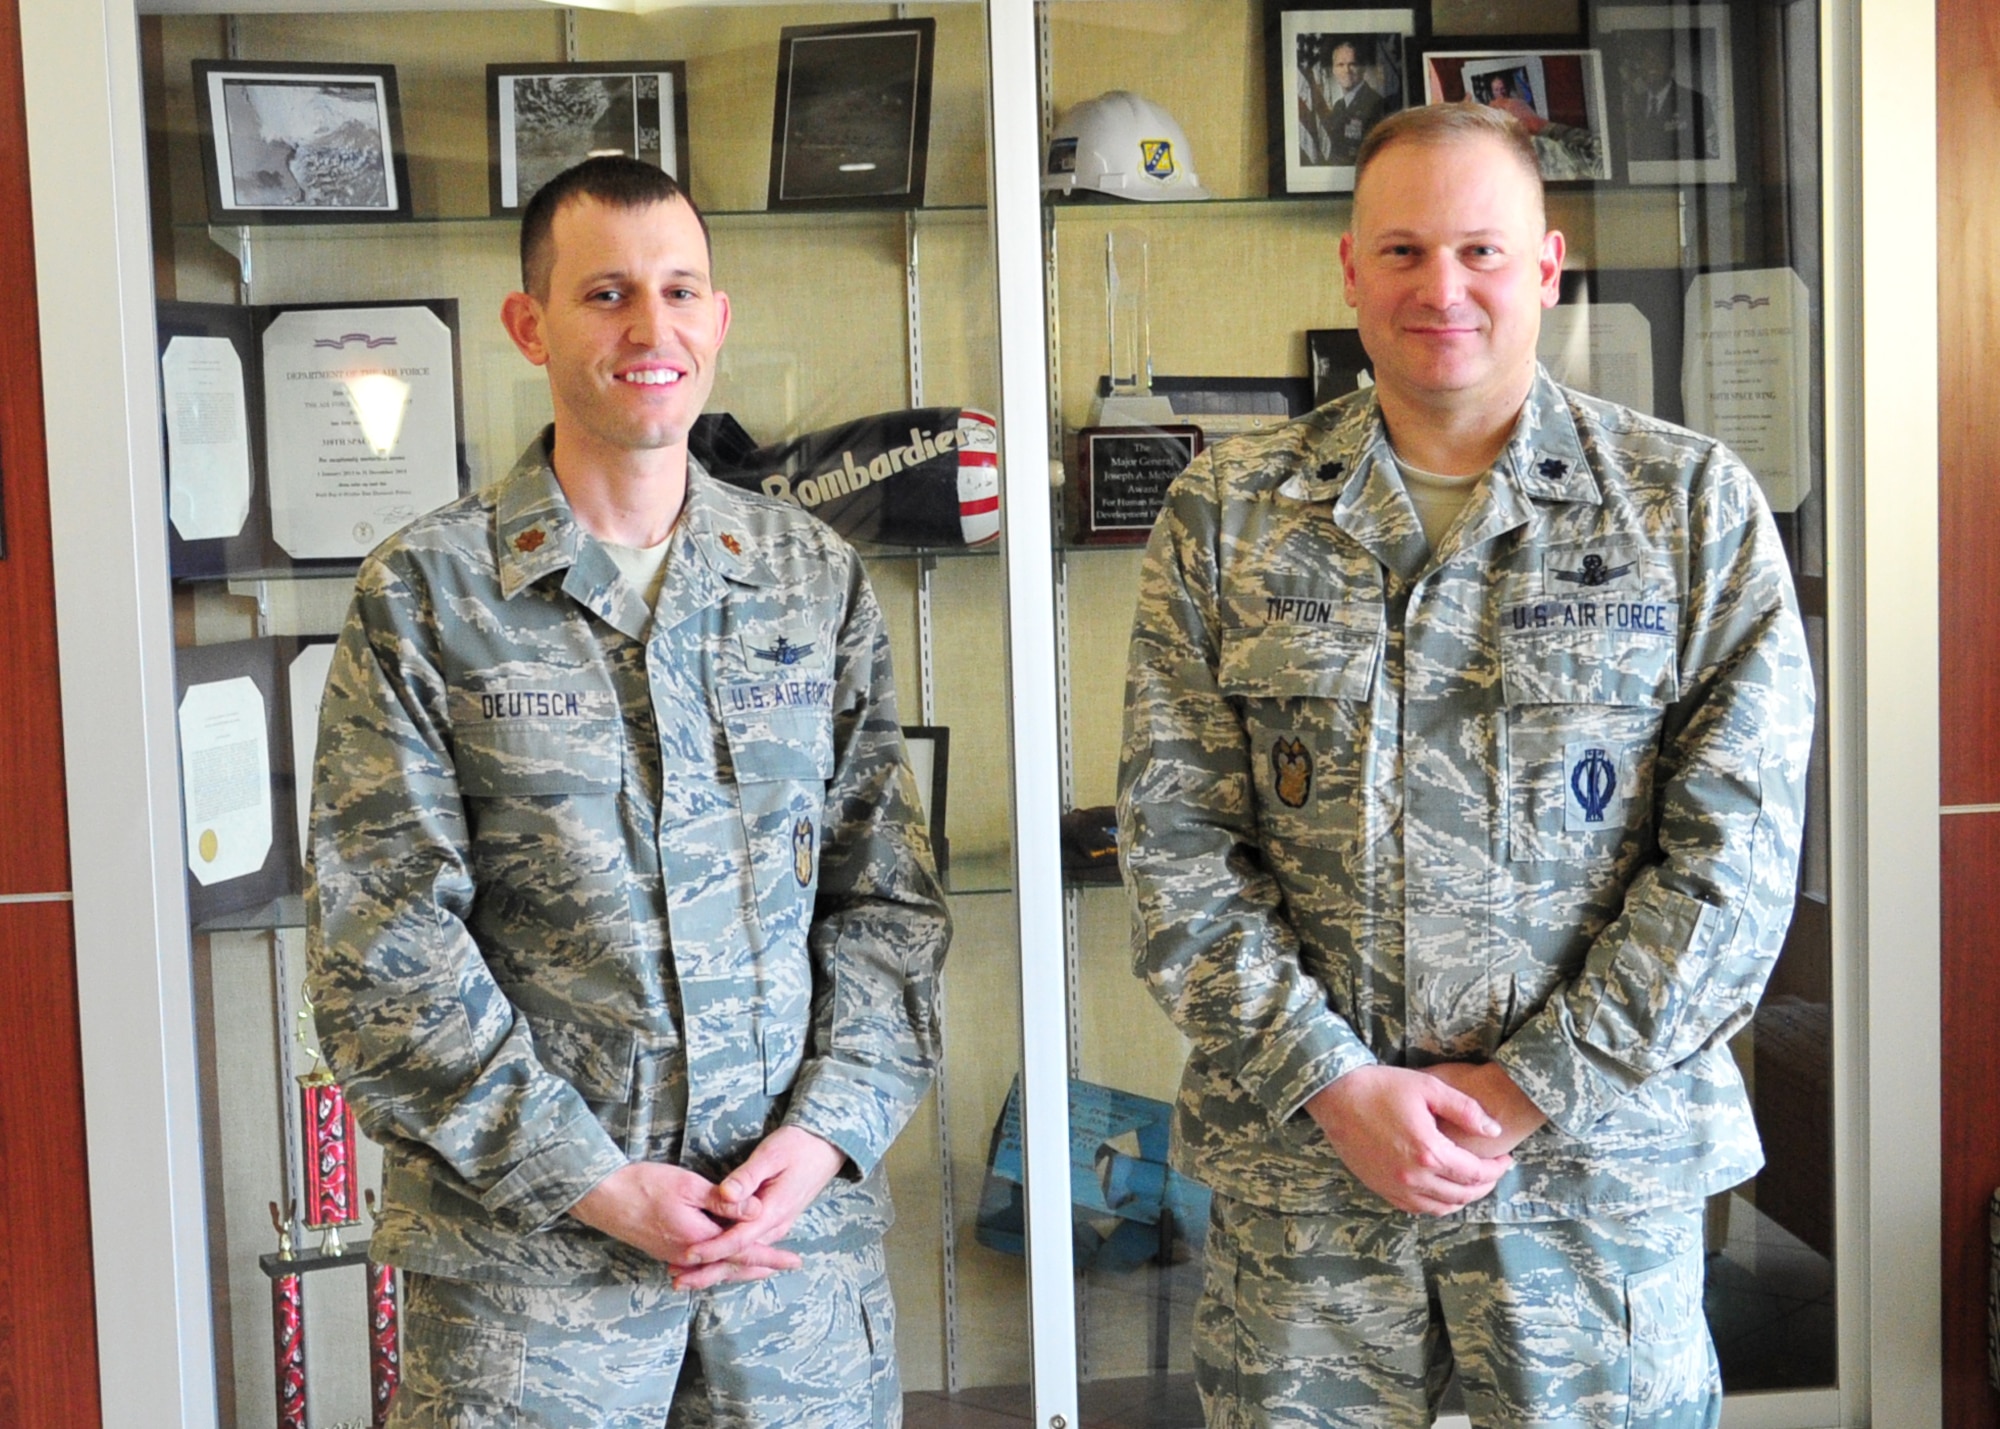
(1044, 1260)
(867, 318)
(1209, 302)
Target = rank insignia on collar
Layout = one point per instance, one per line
(530, 540)
(1554, 468)
(730, 544)
(1331, 471)
(783, 652)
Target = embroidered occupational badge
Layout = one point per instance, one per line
(783, 652)
(1157, 156)
(1594, 572)
(731, 544)
(1553, 468)
(1593, 778)
(802, 851)
(530, 540)
(1292, 772)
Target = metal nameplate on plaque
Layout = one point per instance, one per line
(1126, 472)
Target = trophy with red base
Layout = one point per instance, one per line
(385, 1355)
(288, 1327)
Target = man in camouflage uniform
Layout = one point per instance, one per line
(624, 932)
(1461, 802)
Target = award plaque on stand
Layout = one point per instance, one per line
(1124, 473)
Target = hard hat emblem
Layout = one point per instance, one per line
(1157, 156)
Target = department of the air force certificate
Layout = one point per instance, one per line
(361, 425)
(1746, 375)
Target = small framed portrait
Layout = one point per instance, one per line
(929, 750)
(301, 143)
(542, 119)
(1674, 91)
(1557, 93)
(1332, 74)
(852, 128)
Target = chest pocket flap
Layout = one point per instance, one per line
(1299, 661)
(502, 758)
(780, 744)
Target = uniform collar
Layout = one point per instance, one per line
(1352, 466)
(537, 534)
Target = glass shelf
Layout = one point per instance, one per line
(225, 235)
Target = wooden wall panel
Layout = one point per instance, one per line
(1968, 399)
(48, 1323)
(34, 840)
(1969, 673)
(1971, 1150)
(48, 1329)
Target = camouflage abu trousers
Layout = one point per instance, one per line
(1357, 1321)
(812, 1348)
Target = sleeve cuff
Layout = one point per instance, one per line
(538, 1191)
(1549, 1062)
(859, 1115)
(1299, 1061)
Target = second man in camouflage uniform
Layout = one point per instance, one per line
(1461, 804)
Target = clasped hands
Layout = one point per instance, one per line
(707, 1233)
(1429, 1142)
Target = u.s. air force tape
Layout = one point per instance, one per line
(929, 476)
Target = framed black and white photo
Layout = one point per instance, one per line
(929, 750)
(301, 143)
(1332, 74)
(1338, 362)
(1557, 92)
(852, 128)
(1674, 91)
(542, 119)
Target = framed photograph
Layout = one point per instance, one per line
(1558, 93)
(852, 128)
(1674, 91)
(929, 749)
(301, 143)
(542, 119)
(1332, 74)
(1338, 361)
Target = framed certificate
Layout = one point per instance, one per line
(301, 143)
(241, 849)
(362, 424)
(301, 436)
(542, 119)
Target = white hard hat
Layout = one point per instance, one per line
(1124, 145)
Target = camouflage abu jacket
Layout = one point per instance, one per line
(590, 886)
(1537, 799)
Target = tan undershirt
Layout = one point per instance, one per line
(645, 567)
(1438, 499)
